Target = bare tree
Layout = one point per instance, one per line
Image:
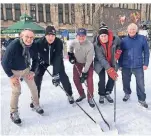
(81, 18)
(77, 16)
(97, 17)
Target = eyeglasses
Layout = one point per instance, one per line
(27, 37)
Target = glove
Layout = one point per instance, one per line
(112, 73)
(72, 58)
(41, 62)
(118, 54)
(83, 77)
(56, 80)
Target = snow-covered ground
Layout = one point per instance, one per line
(61, 118)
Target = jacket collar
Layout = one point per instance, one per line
(135, 36)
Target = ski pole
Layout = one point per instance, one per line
(114, 64)
(94, 100)
(115, 101)
(68, 95)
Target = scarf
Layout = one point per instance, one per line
(26, 53)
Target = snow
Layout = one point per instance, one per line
(61, 118)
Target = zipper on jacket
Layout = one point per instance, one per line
(49, 53)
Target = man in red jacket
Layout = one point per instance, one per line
(107, 52)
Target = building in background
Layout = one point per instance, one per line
(71, 16)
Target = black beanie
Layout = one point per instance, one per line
(103, 29)
(50, 30)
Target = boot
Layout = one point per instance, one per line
(143, 103)
(15, 117)
(31, 105)
(91, 103)
(39, 109)
(126, 97)
(81, 98)
(108, 98)
(71, 99)
(101, 100)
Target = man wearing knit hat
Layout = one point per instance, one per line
(107, 52)
(50, 52)
(81, 53)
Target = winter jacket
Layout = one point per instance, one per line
(13, 58)
(83, 52)
(135, 52)
(100, 60)
(51, 54)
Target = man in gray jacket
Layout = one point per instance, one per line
(107, 52)
(81, 53)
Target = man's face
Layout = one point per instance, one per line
(132, 31)
(81, 38)
(28, 37)
(104, 38)
(50, 38)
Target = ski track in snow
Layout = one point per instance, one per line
(61, 118)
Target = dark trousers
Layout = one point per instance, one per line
(103, 88)
(76, 79)
(63, 78)
(139, 75)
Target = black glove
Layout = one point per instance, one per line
(41, 62)
(72, 58)
(56, 80)
(83, 77)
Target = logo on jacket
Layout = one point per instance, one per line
(45, 49)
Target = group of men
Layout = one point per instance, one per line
(131, 55)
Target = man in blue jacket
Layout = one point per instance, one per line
(134, 60)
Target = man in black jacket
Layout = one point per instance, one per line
(16, 64)
(49, 50)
